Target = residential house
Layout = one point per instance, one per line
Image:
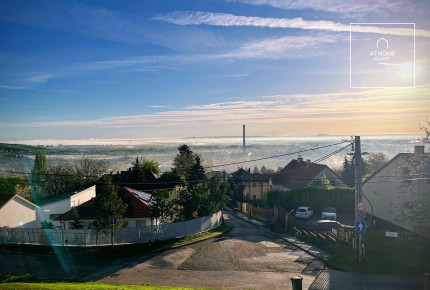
(256, 185)
(17, 212)
(300, 174)
(52, 208)
(138, 212)
(398, 188)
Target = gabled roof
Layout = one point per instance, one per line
(4, 198)
(137, 207)
(297, 174)
(407, 156)
(61, 197)
(258, 177)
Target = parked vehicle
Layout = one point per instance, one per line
(304, 212)
(327, 225)
(329, 213)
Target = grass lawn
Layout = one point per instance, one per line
(31, 282)
(386, 260)
(87, 285)
(116, 251)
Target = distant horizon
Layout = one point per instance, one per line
(170, 140)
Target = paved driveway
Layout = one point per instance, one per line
(243, 258)
(246, 257)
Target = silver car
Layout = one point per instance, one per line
(304, 212)
(329, 213)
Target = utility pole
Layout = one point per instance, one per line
(358, 196)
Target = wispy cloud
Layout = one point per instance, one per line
(13, 87)
(159, 106)
(341, 106)
(349, 7)
(40, 78)
(225, 19)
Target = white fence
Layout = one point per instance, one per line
(58, 237)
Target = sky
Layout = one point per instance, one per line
(152, 69)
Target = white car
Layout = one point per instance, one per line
(304, 212)
(329, 213)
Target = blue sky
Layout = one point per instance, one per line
(142, 69)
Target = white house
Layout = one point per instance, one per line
(52, 208)
(17, 212)
(399, 187)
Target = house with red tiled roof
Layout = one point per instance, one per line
(138, 212)
(299, 174)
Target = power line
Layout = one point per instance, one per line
(276, 156)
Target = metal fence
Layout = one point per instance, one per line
(58, 237)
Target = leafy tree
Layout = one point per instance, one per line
(323, 183)
(90, 170)
(38, 173)
(169, 179)
(76, 223)
(40, 163)
(348, 173)
(255, 170)
(265, 170)
(184, 161)
(109, 204)
(203, 199)
(164, 204)
(374, 161)
(197, 172)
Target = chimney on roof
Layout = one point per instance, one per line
(299, 159)
(308, 162)
(419, 149)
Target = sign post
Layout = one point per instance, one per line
(112, 222)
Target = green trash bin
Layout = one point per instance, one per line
(297, 282)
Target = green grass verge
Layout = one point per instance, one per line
(87, 285)
(386, 260)
(28, 281)
(116, 251)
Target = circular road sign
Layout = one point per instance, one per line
(361, 215)
(361, 205)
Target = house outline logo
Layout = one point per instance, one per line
(382, 39)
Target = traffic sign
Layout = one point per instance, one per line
(360, 226)
(361, 205)
(113, 220)
(361, 215)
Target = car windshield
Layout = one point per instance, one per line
(329, 209)
(302, 210)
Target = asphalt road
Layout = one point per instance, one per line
(246, 257)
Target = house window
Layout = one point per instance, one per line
(254, 197)
(254, 185)
(333, 182)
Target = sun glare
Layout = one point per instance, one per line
(407, 70)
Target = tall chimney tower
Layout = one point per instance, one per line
(243, 149)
